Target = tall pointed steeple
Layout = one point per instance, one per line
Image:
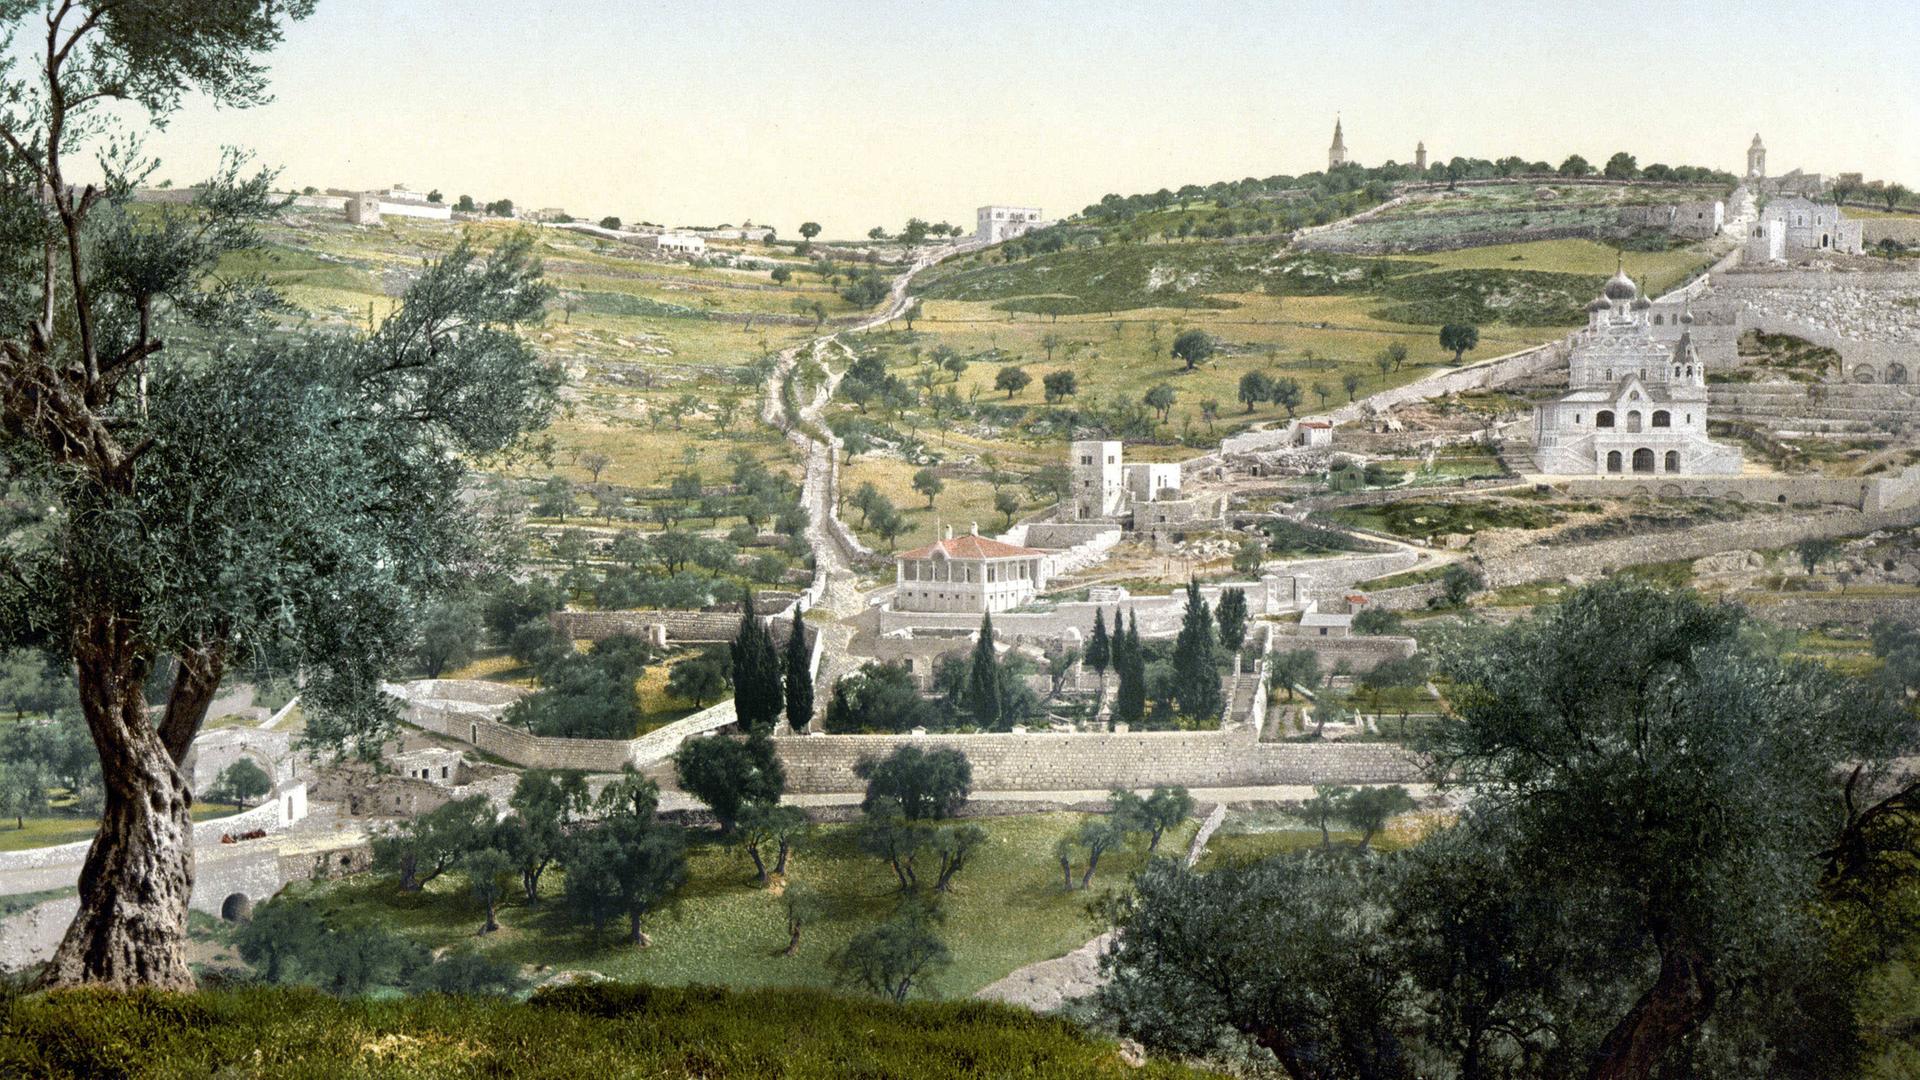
(1337, 153)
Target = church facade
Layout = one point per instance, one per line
(1634, 404)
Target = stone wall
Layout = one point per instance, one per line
(1360, 653)
(1779, 490)
(1899, 230)
(1483, 375)
(1813, 610)
(264, 816)
(1547, 562)
(445, 707)
(1406, 597)
(1083, 762)
(682, 627)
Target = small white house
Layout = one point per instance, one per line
(675, 243)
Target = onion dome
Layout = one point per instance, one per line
(1642, 304)
(1621, 287)
(1686, 318)
(1599, 304)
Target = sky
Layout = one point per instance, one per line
(856, 115)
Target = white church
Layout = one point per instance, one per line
(1633, 404)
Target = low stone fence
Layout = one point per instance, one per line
(1030, 761)
(264, 816)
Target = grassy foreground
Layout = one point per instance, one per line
(608, 1030)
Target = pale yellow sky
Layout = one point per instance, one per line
(858, 115)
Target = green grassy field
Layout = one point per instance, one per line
(1007, 909)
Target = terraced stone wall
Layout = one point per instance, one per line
(1089, 762)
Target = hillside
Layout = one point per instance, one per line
(607, 1030)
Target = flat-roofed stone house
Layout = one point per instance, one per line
(970, 573)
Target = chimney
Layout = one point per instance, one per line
(949, 532)
(974, 528)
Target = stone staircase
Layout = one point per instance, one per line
(1830, 408)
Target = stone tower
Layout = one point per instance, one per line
(1337, 153)
(1756, 159)
(1099, 478)
(1420, 158)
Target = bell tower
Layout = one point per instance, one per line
(1337, 153)
(1756, 159)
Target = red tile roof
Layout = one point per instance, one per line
(970, 547)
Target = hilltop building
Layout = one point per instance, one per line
(1634, 404)
(971, 573)
(1757, 159)
(1337, 153)
(748, 232)
(673, 243)
(1420, 159)
(369, 207)
(996, 223)
(1792, 227)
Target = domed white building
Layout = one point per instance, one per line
(1633, 404)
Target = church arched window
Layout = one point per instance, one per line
(1603, 418)
(1662, 418)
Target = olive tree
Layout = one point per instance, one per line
(220, 492)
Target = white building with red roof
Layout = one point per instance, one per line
(967, 573)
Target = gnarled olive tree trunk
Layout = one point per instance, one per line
(1673, 1008)
(130, 930)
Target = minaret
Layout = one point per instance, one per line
(1337, 153)
(1756, 159)
(1420, 158)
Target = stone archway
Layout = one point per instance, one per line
(1673, 465)
(1643, 460)
(237, 907)
(1896, 374)
(1613, 461)
(1863, 373)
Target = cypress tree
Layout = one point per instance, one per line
(1232, 617)
(1099, 653)
(799, 679)
(1130, 700)
(756, 675)
(983, 681)
(1196, 680)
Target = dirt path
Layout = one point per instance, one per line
(834, 558)
(1049, 984)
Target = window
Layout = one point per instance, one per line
(1662, 418)
(1603, 418)
(1673, 461)
(1643, 460)
(1086, 459)
(1613, 461)
(1633, 420)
